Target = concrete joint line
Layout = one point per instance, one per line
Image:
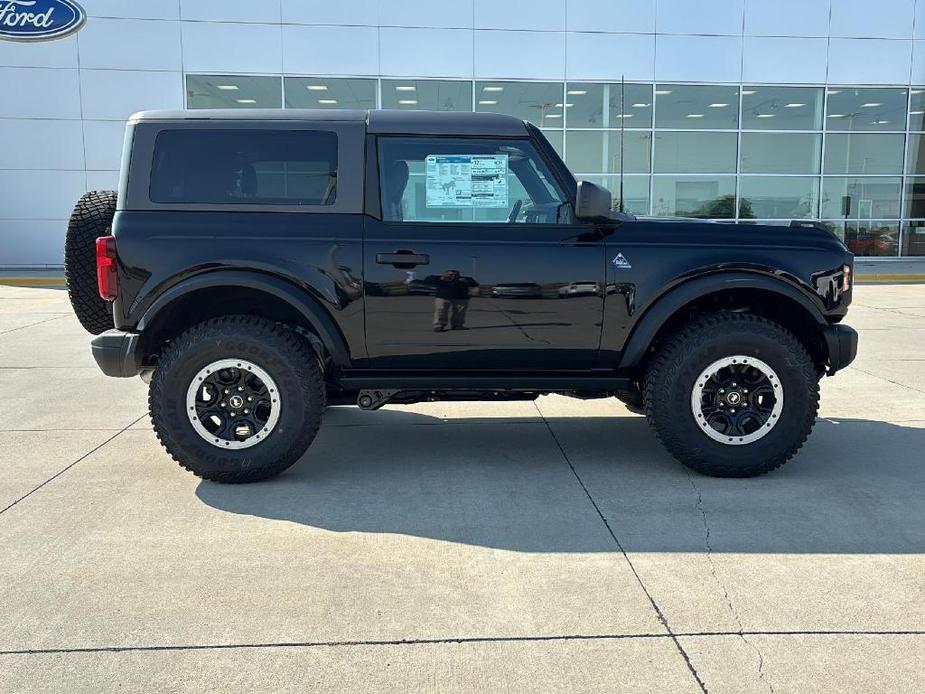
(658, 611)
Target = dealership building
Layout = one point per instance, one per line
(748, 110)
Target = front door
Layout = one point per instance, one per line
(476, 262)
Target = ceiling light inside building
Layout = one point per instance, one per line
(487, 103)
(492, 89)
(662, 92)
(794, 105)
(748, 92)
(316, 87)
(227, 87)
(871, 104)
(640, 105)
(695, 115)
(246, 101)
(833, 91)
(917, 91)
(408, 102)
(576, 92)
(718, 105)
(407, 88)
(327, 101)
(836, 115)
(566, 105)
(881, 122)
(764, 115)
(553, 115)
(916, 113)
(623, 115)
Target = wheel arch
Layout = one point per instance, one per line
(210, 294)
(770, 297)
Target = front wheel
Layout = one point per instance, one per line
(237, 399)
(732, 395)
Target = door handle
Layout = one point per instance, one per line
(403, 258)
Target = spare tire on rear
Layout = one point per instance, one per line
(91, 218)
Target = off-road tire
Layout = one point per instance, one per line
(284, 354)
(671, 375)
(91, 218)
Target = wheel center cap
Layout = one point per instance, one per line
(734, 398)
(236, 401)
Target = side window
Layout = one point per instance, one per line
(256, 167)
(461, 180)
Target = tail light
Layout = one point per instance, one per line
(106, 277)
(846, 278)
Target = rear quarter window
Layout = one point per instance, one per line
(241, 167)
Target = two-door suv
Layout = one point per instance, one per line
(262, 265)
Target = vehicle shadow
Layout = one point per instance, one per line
(855, 487)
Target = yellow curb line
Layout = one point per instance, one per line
(32, 281)
(911, 277)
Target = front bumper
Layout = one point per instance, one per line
(842, 342)
(117, 353)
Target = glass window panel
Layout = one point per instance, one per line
(427, 95)
(915, 198)
(277, 167)
(635, 192)
(696, 106)
(538, 102)
(867, 237)
(599, 152)
(917, 108)
(863, 153)
(860, 198)
(865, 109)
(315, 92)
(915, 155)
(914, 237)
(599, 105)
(677, 152)
(710, 197)
(781, 108)
(233, 91)
(783, 153)
(555, 138)
(778, 197)
(417, 186)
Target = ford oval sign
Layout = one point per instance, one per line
(38, 20)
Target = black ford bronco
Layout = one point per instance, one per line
(256, 267)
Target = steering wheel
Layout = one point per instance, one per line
(512, 217)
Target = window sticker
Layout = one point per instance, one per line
(466, 180)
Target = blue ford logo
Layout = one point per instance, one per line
(37, 20)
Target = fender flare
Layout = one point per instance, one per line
(299, 298)
(657, 314)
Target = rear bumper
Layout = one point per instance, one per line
(842, 342)
(116, 353)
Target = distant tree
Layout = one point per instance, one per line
(724, 207)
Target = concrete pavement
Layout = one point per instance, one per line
(459, 546)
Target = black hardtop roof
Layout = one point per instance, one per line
(378, 121)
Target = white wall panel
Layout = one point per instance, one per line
(869, 61)
(331, 50)
(918, 63)
(41, 144)
(130, 44)
(244, 48)
(117, 94)
(787, 17)
(710, 17)
(426, 52)
(40, 194)
(32, 242)
(520, 54)
(39, 93)
(607, 57)
(102, 180)
(103, 143)
(138, 9)
(698, 58)
(786, 60)
(60, 53)
(426, 13)
(230, 10)
(611, 15)
(548, 15)
(872, 18)
(362, 12)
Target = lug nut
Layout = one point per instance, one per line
(250, 399)
(232, 414)
(227, 391)
(246, 411)
(221, 404)
(240, 388)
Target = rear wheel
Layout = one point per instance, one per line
(732, 395)
(91, 218)
(237, 399)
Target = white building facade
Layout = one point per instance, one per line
(748, 110)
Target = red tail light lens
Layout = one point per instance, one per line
(106, 277)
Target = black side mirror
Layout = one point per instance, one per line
(593, 202)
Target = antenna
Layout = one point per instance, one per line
(622, 119)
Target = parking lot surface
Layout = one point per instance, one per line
(523, 547)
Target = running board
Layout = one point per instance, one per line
(546, 384)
